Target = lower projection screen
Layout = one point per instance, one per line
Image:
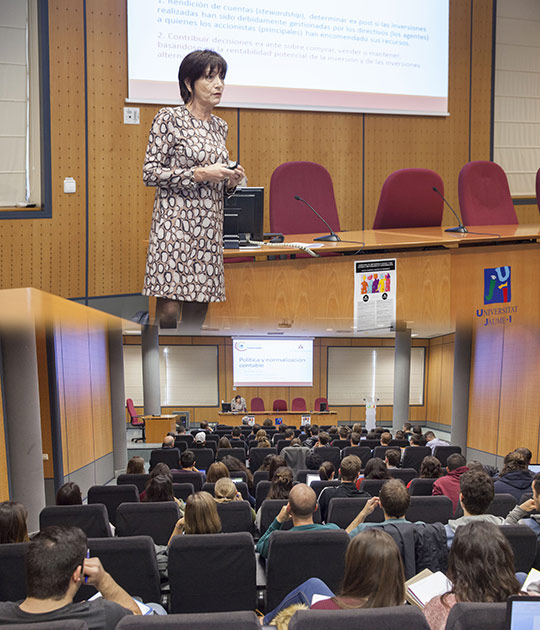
(273, 362)
(388, 56)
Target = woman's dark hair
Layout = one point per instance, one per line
(13, 528)
(326, 470)
(282, 482)
(235, 465)
(377, 588)
(135, 466)
(277, 462)
(512, 462)
(417, 430)
(159, 489)
(216, 471)
(266, 461)
(478, 545)
(161, 469)
(313, 461)
(400, 435)
(224, 442)
(376, 469)
(195, 65)
(69, 494)
(430, 468)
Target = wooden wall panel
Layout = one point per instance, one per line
(447, 383)
(98, 353)
(44, 402)
(434, 381)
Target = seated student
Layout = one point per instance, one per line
(13, 527)
(69, 494)
(295, 455)
(235, 465)
(433, 441)
(300, 508)
(204, 426)
(268, 422)
(313, 461)
(225, 492)
(159, 469)
(277, 461)
(449, 484)
(481, 569)
(217, 470)
(386, 438)
(282, 483)
(187, 461)
(355, 438)
(327, 471)
(200, 517)
(160, 489)
(55, 567)
(168, 441)
(373, 578)
(135, 466)
(407, 429)
(199, 441)
(515, 477)
(313, 433)
(394, 500)
(400, 435)
(224, 442)
(522, 514)
(430, 468)
(392, 458)
(348, 472)
(375, 469)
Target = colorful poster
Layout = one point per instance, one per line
(374, 294)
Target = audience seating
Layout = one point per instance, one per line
(132, 563)
(293, 557)
(363, 452)
(270, 509)
(421, 487)
(258, 476)
(391, 618)
(183, 490)
(442, 453)
(12, 580)
(189, 437)
(169, 456)
(372, 486)
(181, 445)
(370, 443)
(502, 504)
(298, 404)
(239, 453)
(241, 486)
(221, 574)
(301, 475)
(341, 444)
(210, 438)
(239, 474)
(147, 519)
(204, 458)
(112, 497)
(343, 510)
(380, 451)
(329, 454)
(523, 542)
(92, 519)
(281, 444)
(413, 456)
(235, 516)
(139, 480)
(319, 485)
(438, 509)
(404, 474)
(261, 492)
(468, 616)
(257, 455)
(188, 476)
(399, 443)
(239, 620)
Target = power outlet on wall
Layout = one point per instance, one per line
(131, 116)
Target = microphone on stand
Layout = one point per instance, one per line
(329, 237)
(461, 227)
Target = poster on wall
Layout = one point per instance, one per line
(375, 294)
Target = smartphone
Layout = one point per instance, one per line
(233, 165)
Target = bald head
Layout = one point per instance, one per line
(168, 442)
(302, 501)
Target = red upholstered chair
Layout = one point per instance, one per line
(317, 405)
(313, 183)
(135, 421)
(298, 404)
(279, 405)
(408, 200)
(484, 195)
(257, 404)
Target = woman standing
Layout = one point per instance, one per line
(187, 160)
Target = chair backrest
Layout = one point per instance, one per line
(221, 573)
(188, 476)
(169, 456)
(204, 458)
(236, 516)
(329, 454)
(211, 437)
(131, 409)
(408, 200)
(183, 490)
(421, 487)
(319, 485)
(313, 183)
(341, 444)
(258, 476)
(238, 620)
(147, 519)
(256, 404)
(391, 618)
(131, 561)
(523, 545)
(293, 557)
(413, 456)
(140, 480)
(380, 451)
(343, 510)
(261, 492)
(442, 453)
(241, 486)
(372, 486)
(399, 443)
(279, 405)
(238, 452)
(363, 452)
(484, 195)
(12, 580)
(370, 443)
(404, 474)
(189, 437)
(113, 496)
(437, 509)
(298, 404)
(257, 455)
(92, 519)
(468, 616)
(502, 504)
(317, 404)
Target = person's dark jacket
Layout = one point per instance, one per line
(345, 489)
(514, 483)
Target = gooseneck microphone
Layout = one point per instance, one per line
(461, 228)
(329, 237)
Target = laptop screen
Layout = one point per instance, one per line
(311, 478)
(523, 613)
(535, 468)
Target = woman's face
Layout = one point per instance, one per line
(208, 89)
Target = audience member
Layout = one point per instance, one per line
(343, 433)
(282, 483)
(277, 462)
(295, 455)
(475, 466)
(526, 454)
(200, 440)
(417, 430)
(449, 484)
(386, 438)
(407, 429)
(515, 478)
(160, 489)
(392, 458)
(355, 438)
(13, 517)
(400, 435)
(264, 443)
(348, 472)
(376, 469)
(135, 466)
(268, 422)
(430, 468)
(204, 426)
(225, 491)
(224, 442)
(327, 471)
(415, 440)
(187, 461)
(200, 517)
(433, 441)
(266, 462)
(235, 465)
(313, 461)
(480, 568)
(216, 471)
(300, 508)
(261, 435)
(69, 494)
(372, 435)
(323, 440)
(168, 441)
(394, 499)
(523, 514)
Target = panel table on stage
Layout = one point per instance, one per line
(290, 418)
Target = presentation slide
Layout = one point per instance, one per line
(387, 56)
(273, 362)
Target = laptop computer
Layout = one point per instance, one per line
(225, 407)
(522, 613)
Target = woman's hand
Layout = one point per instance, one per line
(213, 173)
(237, 176)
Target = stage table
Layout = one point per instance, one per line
(290, 418)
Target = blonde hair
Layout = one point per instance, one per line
(201, 515)
(225, 490)
(283, 618)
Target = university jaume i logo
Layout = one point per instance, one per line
(497, 285)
